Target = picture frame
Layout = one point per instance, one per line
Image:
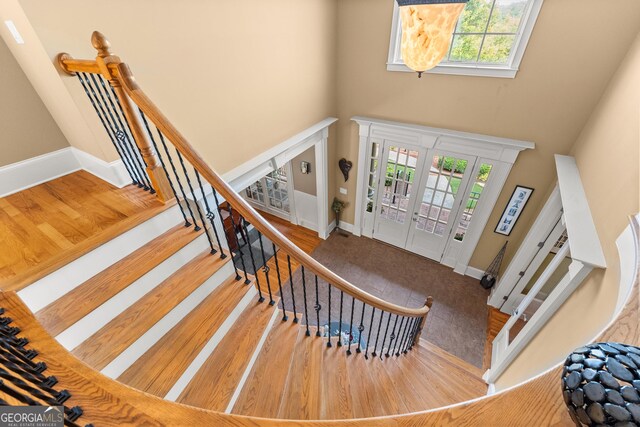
(514, 208)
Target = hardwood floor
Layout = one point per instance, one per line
(495, 323)
(49, 225)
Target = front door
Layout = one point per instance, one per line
(441, 191)
(401, 167)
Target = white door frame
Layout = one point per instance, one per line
(316, 136)
(500, 152)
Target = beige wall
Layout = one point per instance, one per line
(562, 75)
(607, 153)
(305, 182)
(235, 77)
(26, 127)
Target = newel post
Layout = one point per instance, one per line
(427, 303)
(155, 170)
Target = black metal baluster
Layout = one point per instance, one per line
(401, 332)
(395, 343)
(375, 346)
(155, 146)
(366, 350)
(329, 314)
(416, 328)
(212, 216)
(293, 295)
(275, 257)
(233, 228)
(392, 336)
(128, 138)
(195, 201)
(178, 181)
(340, 324)
(317, 307)
(122, 136)
(409, 335)
(243, 223)
(265, 269)
(109, 131)
(353, 304)
(304, 291)
(361, 329)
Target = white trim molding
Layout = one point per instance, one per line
(37, 170)
(316, 136)
(501, 153)
(508, 70)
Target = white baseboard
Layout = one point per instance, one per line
(476, 273)
(31, 172)
(115, 173)
(37, 170)
(345, 226)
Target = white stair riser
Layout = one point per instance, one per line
(51, 287)
(92, 322)
(206, 351)
(129, 356)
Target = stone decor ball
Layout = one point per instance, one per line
(601, 385)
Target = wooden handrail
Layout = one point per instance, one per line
(121, 77)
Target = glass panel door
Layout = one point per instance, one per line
(442, 189)
(278, 190)
(401, 164)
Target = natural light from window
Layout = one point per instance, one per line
(489, 39)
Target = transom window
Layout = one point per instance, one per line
(489, 39)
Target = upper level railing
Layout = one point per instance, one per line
(159, 159)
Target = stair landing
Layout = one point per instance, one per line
(48, 226)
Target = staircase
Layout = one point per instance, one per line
(167, 306)
(171, 319)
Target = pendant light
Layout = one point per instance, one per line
(427, 26)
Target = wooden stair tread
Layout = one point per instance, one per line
(215, 382)
(337, 403)
(450, 358)
(392, 398)
(113, 338)
(73, 306)
(159, 368)
(366, 398)
(262, 398)
(75, 250)
(302, 392)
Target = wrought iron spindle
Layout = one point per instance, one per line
(211, 216)
(400, 335)
(416, 327)
(233, 228)
(195, 201)
(317, 307)
(304, 293)
(361, 328)
(265, 270)
(164, 166)
(293, 295)
(102, 116)
(353, 304)
(275, 258)
(392, 336)
(395, 343)
(128, 138)
(178, 181)
(122, 136)
(340, 323)
(409, 335)
(366, 349)
(329, 314)
(375, 346)
(36, 378)
(243, 223)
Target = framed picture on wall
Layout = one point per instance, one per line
(514, 208)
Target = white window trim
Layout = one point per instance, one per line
(395, 63)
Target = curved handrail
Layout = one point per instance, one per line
(121, 72)
(109, 402)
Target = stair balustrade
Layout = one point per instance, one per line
(160, 160)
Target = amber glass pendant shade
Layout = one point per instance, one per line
(426, 32)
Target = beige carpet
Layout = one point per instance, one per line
(458, 320)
